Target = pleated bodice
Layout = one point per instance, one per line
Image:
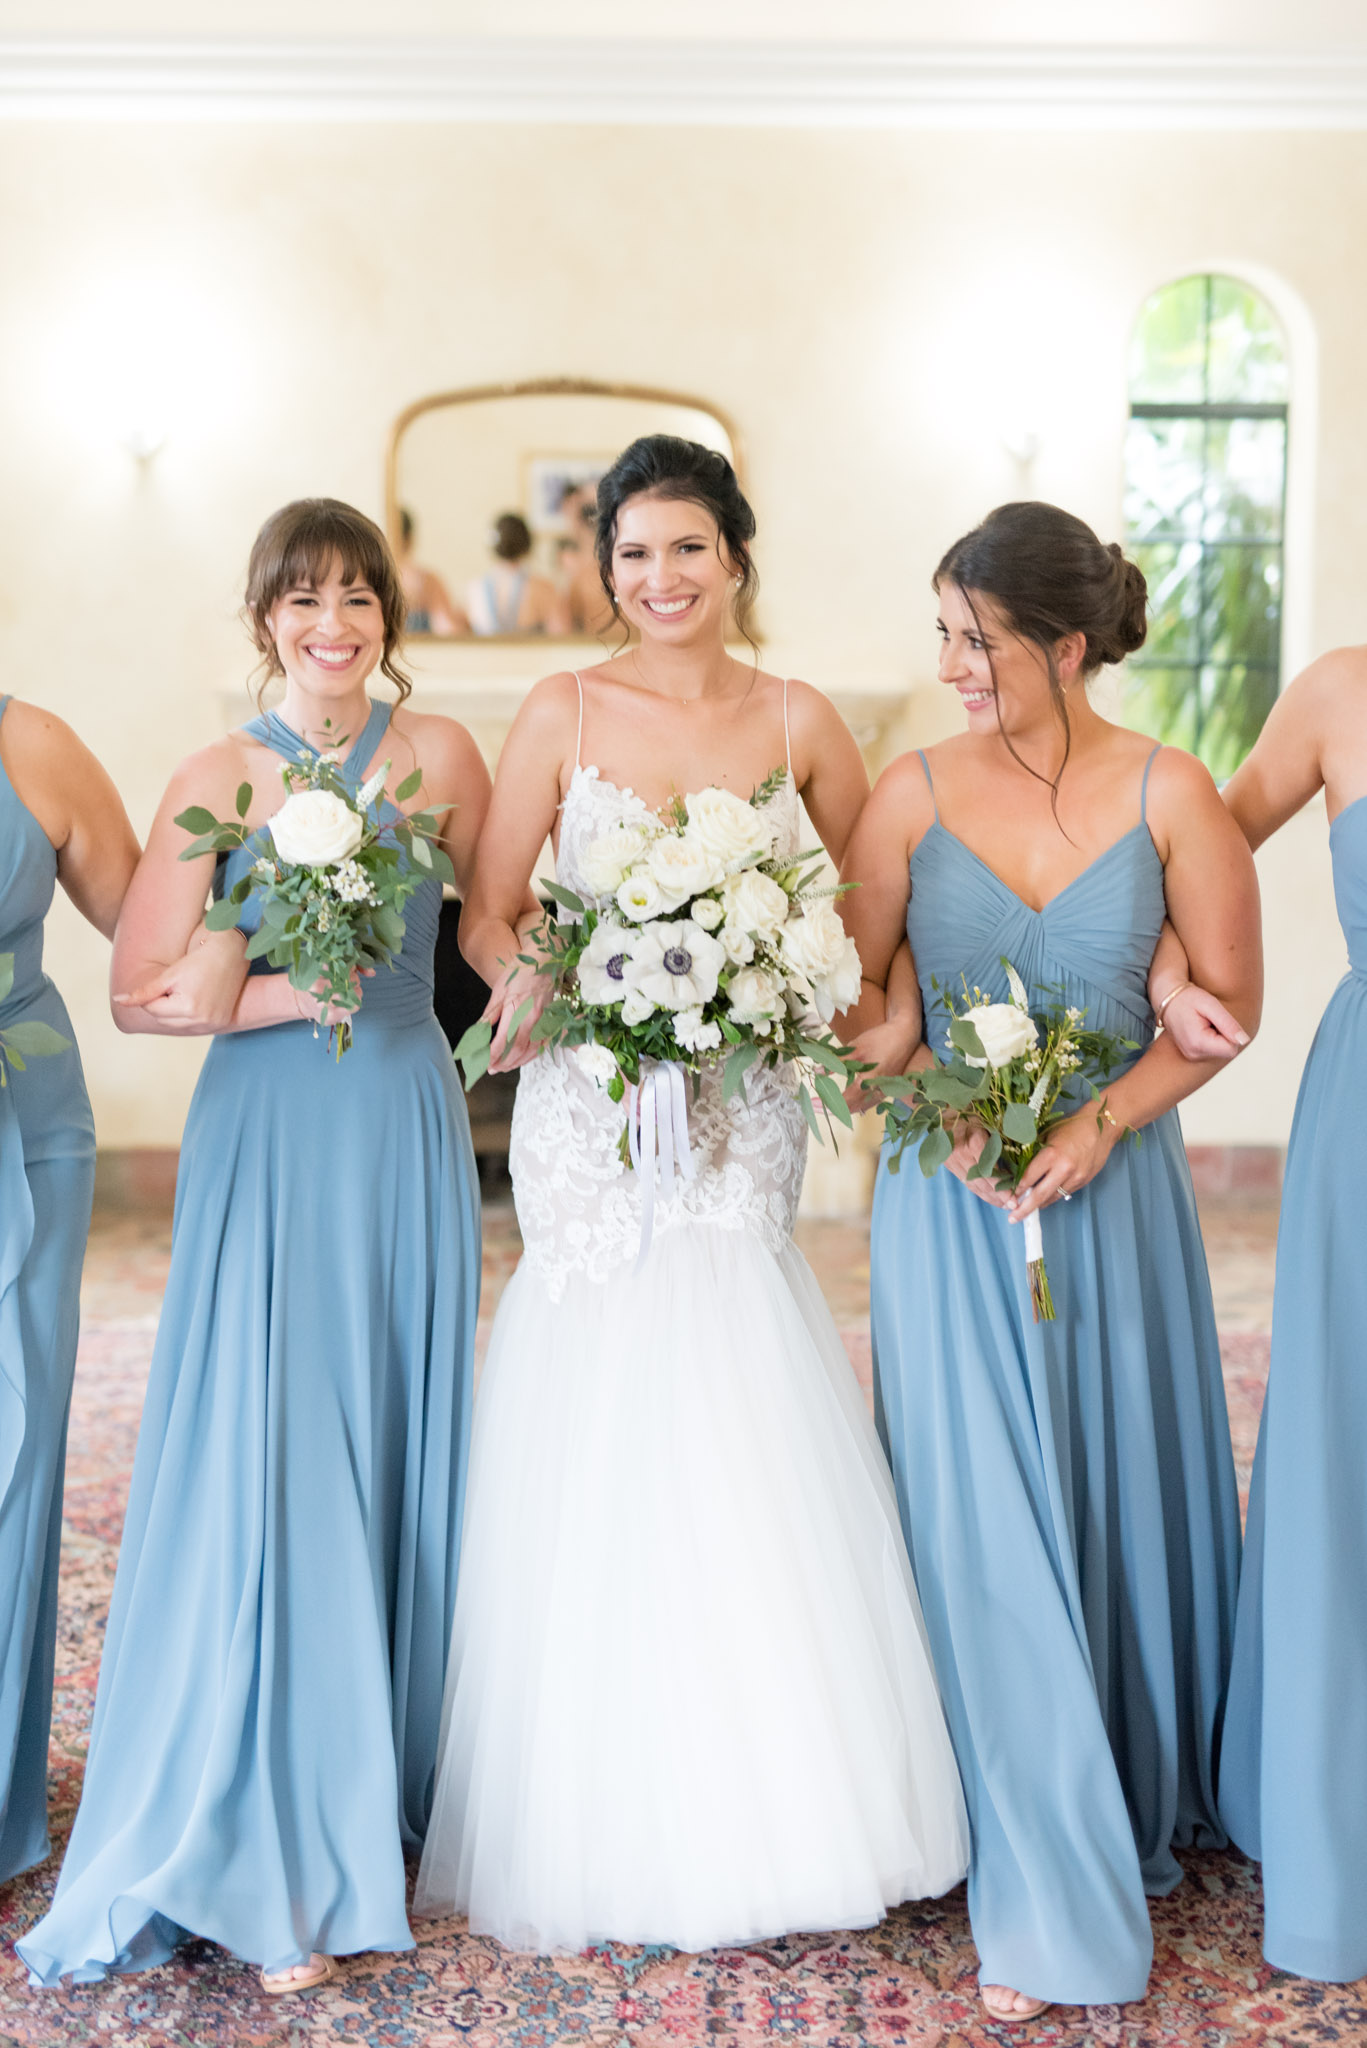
(399, 996)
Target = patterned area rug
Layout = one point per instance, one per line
(908, 1982)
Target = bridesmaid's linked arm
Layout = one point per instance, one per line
(1212, 895)
(73, 799)
(885, 1026)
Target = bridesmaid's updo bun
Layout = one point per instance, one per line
(667, 466)
(1048, 575)
(297, 547)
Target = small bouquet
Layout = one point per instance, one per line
(699, 944)
(331, 877)
(29, 1039)
(1006, 1072)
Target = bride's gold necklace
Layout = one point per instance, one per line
(688, 702)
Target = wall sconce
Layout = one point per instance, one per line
(144, 440)
(1021, 443)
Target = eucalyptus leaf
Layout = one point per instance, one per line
(259, 943)
(410, 786)
(221, 916)
(738, 1064)
(244, 799)
(6, 974)
(33, 1037)
(197, 820)
(987, 1159)
(1018, 1124)
(936, 1147)
(805, 1101)
(566, 898)
(964, 1037)
(14, 1057)
(422, 852)
(833, 1099)
(825, 1056)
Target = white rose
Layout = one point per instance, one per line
(603, 963)
(676, 965)
(708, 913)
(597, 1062)
(815, 942)
(755, 903)
(731, 829)
(315, 829)
(737, 945)
(636, 1007)
(682, 866)
(841, 986)
(693, 1035)
(605, 861)
(756, 997)
(640, 896)
(1005, 1031)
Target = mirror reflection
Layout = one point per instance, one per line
(491, 501)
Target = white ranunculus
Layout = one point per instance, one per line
(640, 896)
(597, 1062)
(737, 944)
(756, 997)
(755, 903)
(315, 829)
(636, 1007)
(605, 861)
(708, 913)
(1005, 1032)
(693, 1034)
(603, 963)
(732, 830)
(681, 864)
(676, 965)
(815, 942)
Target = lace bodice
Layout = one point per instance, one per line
(578, 1207)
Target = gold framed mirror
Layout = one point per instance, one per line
(489, 499)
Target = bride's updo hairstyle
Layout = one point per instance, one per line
(667, 466)
(296, 548)
(1048, 575)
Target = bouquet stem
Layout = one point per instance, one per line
(1041, 1299)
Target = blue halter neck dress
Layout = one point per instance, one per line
(265, 1731)
(1293, 1770)
(47, 1177)
(1067, 1488)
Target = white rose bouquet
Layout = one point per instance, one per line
(331, 876)
(698, 944)
(1014, 1073)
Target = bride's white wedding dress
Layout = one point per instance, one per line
(689, 1698)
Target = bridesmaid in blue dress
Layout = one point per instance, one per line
(266, 1723)
(1067, 1488)
(1293, 1769)
(60, 821)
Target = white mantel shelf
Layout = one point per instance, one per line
(726, 84)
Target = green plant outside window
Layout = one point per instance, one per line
(1205, 493)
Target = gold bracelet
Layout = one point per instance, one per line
(1105, 1111)
(1169, 996)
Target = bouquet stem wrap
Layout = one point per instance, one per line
(1041, 1300)
(657, 1133)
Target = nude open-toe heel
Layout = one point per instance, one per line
(327, 1969)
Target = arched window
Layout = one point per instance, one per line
(1205, 494)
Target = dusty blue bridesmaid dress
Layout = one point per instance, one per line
(265, 1729)
(1067, 1488)
(1293, 1771)
(47, 1176)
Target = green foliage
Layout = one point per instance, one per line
(29, 1039)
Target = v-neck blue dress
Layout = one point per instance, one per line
(47, 1177)
(1293, 1771)
(265, 1733)
(1067, 1488)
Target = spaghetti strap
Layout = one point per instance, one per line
(1144, 785)
(3, 702)
(579, 736)
(787, 736)
(925, 765)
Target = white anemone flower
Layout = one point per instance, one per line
(604, 961)
(677, 965)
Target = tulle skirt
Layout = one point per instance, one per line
(689, 1700)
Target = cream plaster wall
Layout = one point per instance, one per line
(882, 313)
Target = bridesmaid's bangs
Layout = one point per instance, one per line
(296, 548)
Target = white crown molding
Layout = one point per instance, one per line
(719, 84)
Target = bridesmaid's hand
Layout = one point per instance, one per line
(888, 1048)
(525, 990)
(312, 1008)
(199, 992)
(967, 1146)
(1201, 1027)
(1074, 1155)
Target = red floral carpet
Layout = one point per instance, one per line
(908, 1982)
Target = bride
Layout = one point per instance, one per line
(689, 1700)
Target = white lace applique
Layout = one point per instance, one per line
(578, 1207)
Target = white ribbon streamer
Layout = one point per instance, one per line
(1034, 1238)
(657, 1135)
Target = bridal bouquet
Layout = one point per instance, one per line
(698, 944)
(1007, 1070)
(29, 1039)
(331, 878)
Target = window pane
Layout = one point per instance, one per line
(1168, 352)
(1247, 350)
(1165, 472)
(1234, 702)
(1245, 478)
(1173, 574)
(1162, 701)
(1244, 591)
